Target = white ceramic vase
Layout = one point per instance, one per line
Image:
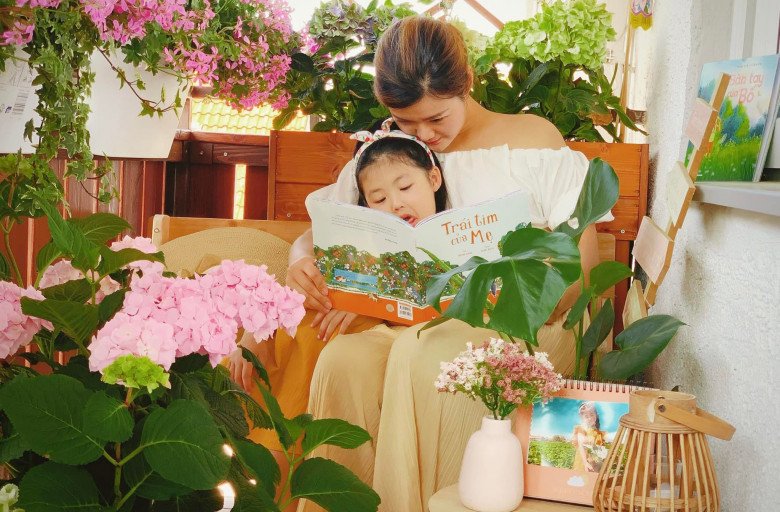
(491, 477)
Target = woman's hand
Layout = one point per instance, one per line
(332, 321)
(304, 276)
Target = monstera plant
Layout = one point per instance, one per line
(535, 269)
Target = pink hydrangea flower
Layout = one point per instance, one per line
(63, 271)
(16, 328)
(203, 314)
(144, 245)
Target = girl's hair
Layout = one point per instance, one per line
(419, 55)
(590, 409)
(401, 150)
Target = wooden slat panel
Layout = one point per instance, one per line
(626, 223)
(289, 200)
(112, 180)
(153, 193)
(679, 192)
(310, 157)
(132, 194)
(81, 196)
(700, 123)
(606, 243)
(235, 154)
(626, 159)
(256, 193)
(653, 250)
(201, 152)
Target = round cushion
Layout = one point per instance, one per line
(191, 253)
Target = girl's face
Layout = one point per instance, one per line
(435, 121)
(404, 190)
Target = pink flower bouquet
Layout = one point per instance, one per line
(500, 374)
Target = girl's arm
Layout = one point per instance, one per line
(304, 276)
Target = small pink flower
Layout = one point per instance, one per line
(17, 329)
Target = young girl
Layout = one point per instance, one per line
(398, 174)
(589, 443)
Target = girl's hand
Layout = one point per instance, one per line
(331, 322)
(304, 276)
(241, 370)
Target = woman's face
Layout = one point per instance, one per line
(435, 121)
(404, 190)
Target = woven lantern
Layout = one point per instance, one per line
(659, 460)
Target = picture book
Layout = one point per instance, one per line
(746, 120)
(376, 264)
(567, 439)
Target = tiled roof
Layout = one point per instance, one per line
(212, 115)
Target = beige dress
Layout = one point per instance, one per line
(382, 379)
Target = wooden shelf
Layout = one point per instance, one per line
(762, 197)
(446, 500)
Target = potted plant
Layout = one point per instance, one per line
(242, 47)
(123, 406)
(555, 65)
(328, 79)
(535, 269)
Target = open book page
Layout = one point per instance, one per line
(372, 260)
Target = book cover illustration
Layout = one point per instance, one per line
(376, 264)
(746, 119)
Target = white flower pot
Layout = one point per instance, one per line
(116, 128)
(491, 477)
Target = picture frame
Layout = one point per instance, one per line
(563, 447)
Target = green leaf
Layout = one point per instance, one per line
(333, 487)
(276, 416)
(111, 261)
(71, 240)
(185, 436)
(249, 498)
(302, 63)
(48, 411)
(599, 194)
(46, 256)
(5, 269)
(599, 328)
(139, 474)
(259, 462)
(284, 118)
(107, 418)
(99, 228)
(606, 275)
(535, 269)
(77, 290)
(438, 283)
(53, 487)
(333, 432)
(227, 412)
(78, 321)
(259, 368)
(110, 305)
(578, 309)
(297, 425)
(640, 343)
(12, 446)
(533, 78)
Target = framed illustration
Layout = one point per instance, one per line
(566, 440)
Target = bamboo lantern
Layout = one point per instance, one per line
(659, 460)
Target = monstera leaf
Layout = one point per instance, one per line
(599, 194)
(534, 269)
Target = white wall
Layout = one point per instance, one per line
(724, 280)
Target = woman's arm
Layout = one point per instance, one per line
(304, 276)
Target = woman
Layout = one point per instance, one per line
(589, 444)
(382, 379)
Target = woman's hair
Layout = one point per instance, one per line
(589, 408)
(400, 150)
(419, 55)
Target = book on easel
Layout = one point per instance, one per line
(746, 121)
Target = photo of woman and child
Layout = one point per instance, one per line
(573, 434)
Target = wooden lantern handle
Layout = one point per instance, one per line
(702, 421)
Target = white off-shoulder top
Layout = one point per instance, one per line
(552, 177)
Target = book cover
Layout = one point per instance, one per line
(376, 264)
(746, 119)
